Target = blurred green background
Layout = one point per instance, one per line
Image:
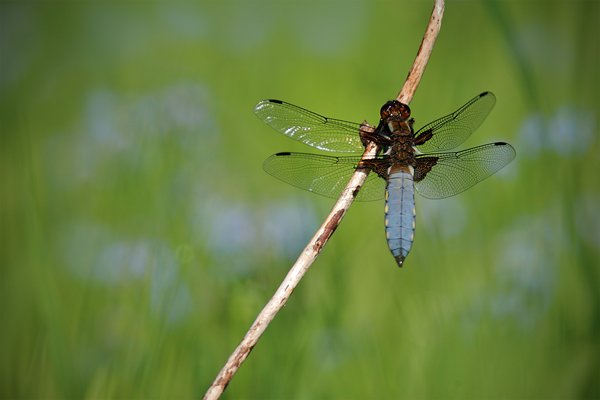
(140, 236)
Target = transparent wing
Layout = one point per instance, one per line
(446, 174)
(310, 128)
(450, 131)
(324, 175)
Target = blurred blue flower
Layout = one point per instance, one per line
(243, 236)
(526, 267)
(118, 129)
(98, 255)
(587, 219)
(568, 132)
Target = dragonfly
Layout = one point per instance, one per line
(406, 160)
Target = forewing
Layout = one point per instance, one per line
(324, 175)
(450, 131)
(310, 128)
(446, 174)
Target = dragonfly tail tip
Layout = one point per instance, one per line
(400, 260)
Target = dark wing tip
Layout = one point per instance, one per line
(503, 144)
(508, 146)
(261, 104)
(283, 153)
(486, 93)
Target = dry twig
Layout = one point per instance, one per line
(316, 244)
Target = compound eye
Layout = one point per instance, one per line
(394, 108)
(389, 109)
(404, 111)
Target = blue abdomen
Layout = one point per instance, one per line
(400, 214)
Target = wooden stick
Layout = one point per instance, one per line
(316, 244)
(418, 68)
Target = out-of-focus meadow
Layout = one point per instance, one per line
(140, 236)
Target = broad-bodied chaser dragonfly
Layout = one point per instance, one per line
(406, 160)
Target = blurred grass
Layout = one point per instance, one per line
(140, 236)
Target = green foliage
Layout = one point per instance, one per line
(140, 236)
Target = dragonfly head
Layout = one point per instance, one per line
(395, 109)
